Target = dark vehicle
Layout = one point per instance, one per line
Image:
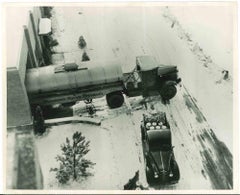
(161, 166)
(151, 78)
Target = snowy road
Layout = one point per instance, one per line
(115, 146)
(204, 161)
(202, 129)
(127, 32)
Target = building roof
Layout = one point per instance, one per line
(15, 18)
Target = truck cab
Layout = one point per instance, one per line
(151, 78)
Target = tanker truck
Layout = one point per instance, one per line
(71, 82)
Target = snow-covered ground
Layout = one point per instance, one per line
(215, 26)
(127, 32)
(217, 44)
(113, 149)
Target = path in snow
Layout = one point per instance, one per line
(199, 153)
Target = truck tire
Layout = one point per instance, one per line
(168, 91)
(115, 99)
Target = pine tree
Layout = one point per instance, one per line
(85, 57)
(73, 165)
(81, 42)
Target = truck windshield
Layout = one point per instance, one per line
(159, 140)
(136, 76)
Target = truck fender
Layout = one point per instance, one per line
(170, 83)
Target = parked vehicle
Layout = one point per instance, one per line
(160, 164)
(151, 78)
(61, 84)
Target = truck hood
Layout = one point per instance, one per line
(161, 160)
(166, 69)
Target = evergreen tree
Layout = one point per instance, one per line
(73, 165)
(81, 42)
(85, 57)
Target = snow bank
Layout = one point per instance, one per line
(204, 80)
(212, 27)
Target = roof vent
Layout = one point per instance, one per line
(70, 67)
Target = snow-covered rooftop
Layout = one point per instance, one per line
(16, 18)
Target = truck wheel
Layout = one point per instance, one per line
(115, 99)
(168, 91)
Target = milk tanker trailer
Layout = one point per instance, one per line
(68, 83)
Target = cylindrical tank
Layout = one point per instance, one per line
(59, 77)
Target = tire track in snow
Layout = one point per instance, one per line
(197, 146)
(113, 122)
(186, 139)
(215, 156)
(220, 168)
